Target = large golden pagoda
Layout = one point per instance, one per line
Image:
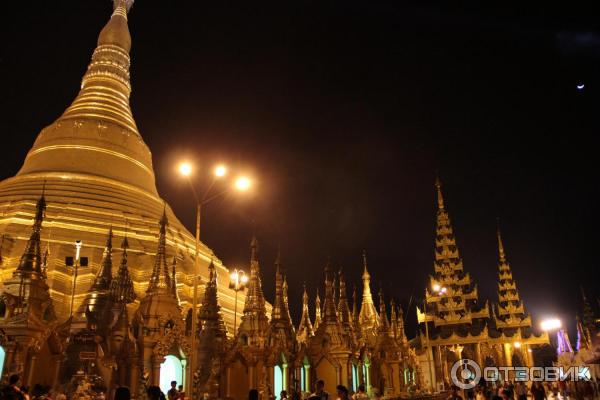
(98, 174)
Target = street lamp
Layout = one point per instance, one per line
(237, 282)
(551, 324)
(220, 171)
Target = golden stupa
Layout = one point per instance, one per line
(97, 173)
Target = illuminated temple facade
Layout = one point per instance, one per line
(124, 318)
(454, 324)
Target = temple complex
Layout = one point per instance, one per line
(455, 325)
(85, 201)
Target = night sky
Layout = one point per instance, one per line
(343, 113)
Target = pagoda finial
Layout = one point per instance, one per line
(104, 274)
(440, 197)
(31, 260)
(105, 88)
(501, 253)
(317, 310)
(174, 279)
(161, 277)
(365, 270)
(121, 287)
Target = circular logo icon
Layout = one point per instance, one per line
(465, 373)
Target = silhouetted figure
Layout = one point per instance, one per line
(253, 394)
(122, 393)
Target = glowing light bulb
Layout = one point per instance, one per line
(220, 171)
(185, 169)
(242, 183)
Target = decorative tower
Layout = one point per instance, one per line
(330, 349)
(386, 353)
(212, 342)
(343, 308)
(355, 315)
(452, 299)
(281, 336)
(510, 314)
(121, 287)
(254, 323)
(317, 311)
(369, 320)
(158, 323)
(305, 329)
(97, 303)
(29, 323)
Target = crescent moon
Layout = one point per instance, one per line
(580, 86)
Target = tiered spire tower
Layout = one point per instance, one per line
(368, 317)
(511, 312)
(305, 328)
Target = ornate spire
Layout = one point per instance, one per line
(305, 329)
(255, 299)
(317, 311)
(343, 308)
(31, 260)
(393, 320)
(384, 323)
(210, 310)
(286, 303)
(368, 313)
(105, 87)
(121, 287)
(174, 279)
(160, 281)
(455, 301)
(329, 309)
(355, 314)
(104, 274)
(440, 198)
(501, 254)
(278, 305)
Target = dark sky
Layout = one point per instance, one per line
(343, 112)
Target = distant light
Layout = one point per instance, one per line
(517, 345)
(581, 86)
(443, 290)
(234, 276)
(436, 288)
(244, 279)
(185, 169)
(242, 183)
(551, 324)
(220, 170)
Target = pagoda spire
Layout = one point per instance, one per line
(329, 308)
(394, 320)
(511, 312)
(343, 308)
(278, 305)
(254, 325)
(106, 87)
(369, 320)
(449, 280)
(174, 279)
(305, 328)
(384, 323)
(401, 326)
(318, 317)
(255, 299)
(121, 287)
(210, 311)
(31, 260)
(160, 281)
(355, 314)
(104, 274)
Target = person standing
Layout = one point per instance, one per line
(320, 392)
(173, 394)
(521, 390)
(342, 392)
(12, 391)
(361, 394)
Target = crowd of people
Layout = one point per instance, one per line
(520, 390)
(561, 390)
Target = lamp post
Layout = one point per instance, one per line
(237, 282)
(75, 262)
(242, 183)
